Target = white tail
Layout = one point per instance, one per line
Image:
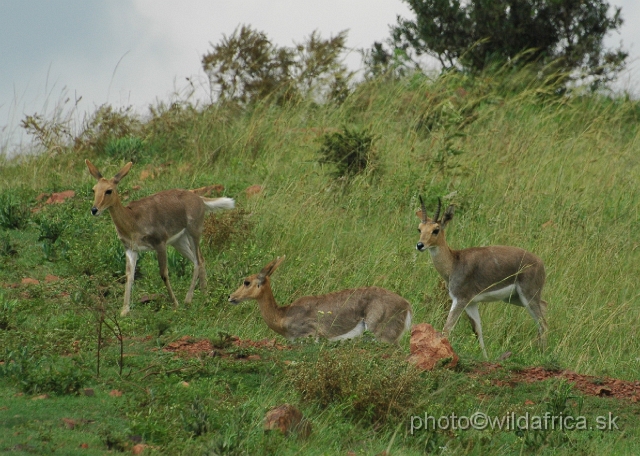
(172, 217)
(336, 316)
(483, 274)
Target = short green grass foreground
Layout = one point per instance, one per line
(556, 175)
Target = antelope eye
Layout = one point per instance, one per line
(419, 230)
(108, 192)
(436, 231)
(247, 283)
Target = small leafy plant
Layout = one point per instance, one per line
(369, 388)
(6, 247)
(226, 227)
(33, 374)
(49, 235)
(14, 214)
(129, 148)
(351, 151)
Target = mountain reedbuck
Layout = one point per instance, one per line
(171, 217)
(483, 274)
(337, 316)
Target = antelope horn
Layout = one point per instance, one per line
(423, 209)
(435, 217)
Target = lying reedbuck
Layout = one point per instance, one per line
(483, 274)
(337, 316)
(171, 217)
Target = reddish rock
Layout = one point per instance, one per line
(84, 445)
(51, 278)
(139, 448)
(253, 190)
(428, 346)
(286, 418)
(115, 393)
(57, 198)
(29, 281)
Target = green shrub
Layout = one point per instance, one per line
(350, 151)
(129, 148)
(196, 419)
(226, 227)
(14, 214)
(369, 387)
(50, 230)
(56, 374)
(7, 313)
(6, 247)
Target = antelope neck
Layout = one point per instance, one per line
(272, 313)
(123, 221)
(442, 258)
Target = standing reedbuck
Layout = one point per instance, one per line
(171, 217)
(483, 274)
(336, 316)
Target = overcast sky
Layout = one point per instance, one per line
(136, 52)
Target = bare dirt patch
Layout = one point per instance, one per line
(188, 346)
(587, 384)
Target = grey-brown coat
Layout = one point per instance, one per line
(483, 274)
(336, 316)
(171, 217)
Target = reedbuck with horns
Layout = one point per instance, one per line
(171, 217)
(483, 274)
(336, 316)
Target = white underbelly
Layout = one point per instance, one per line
(355, 332)
(503, 294)
(176, 237)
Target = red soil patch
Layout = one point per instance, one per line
(191, 347)
(57, 198)
(587, 384)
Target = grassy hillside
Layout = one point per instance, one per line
(554, 175)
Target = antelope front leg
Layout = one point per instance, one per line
(454, 314)
(474, 316)
(132, 259)
(161, 252)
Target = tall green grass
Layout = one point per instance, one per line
(556, 175)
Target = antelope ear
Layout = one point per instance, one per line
(123, 172)
(448, 215)
(93, 170)
(269, 269)
(277, 263)
(419, 214)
